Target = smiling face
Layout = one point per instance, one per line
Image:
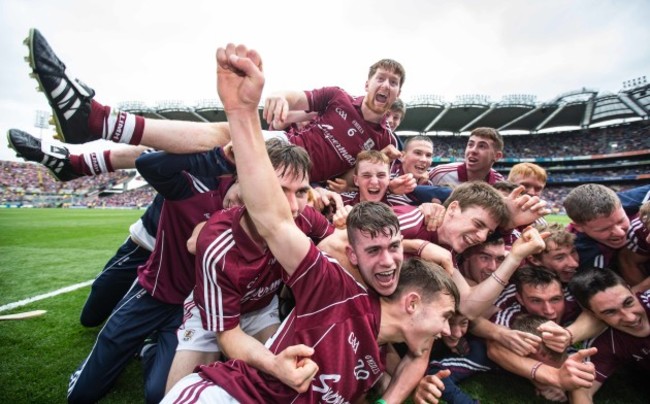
(543, 300)
(480, 154)
(534, 186)
(372, 179)
(382, 89)
(458, 326)
(379, 259)
(561, 259)
(609, 230)
(462, 229)
(417, 158)
(429, 322)
(620, 309)
(393, 119)
(482, 260)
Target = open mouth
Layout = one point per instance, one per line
(381, 98)
(386, 278)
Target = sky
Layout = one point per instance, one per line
(154, 50)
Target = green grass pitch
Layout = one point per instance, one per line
(42, 250)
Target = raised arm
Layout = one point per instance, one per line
(240, 82)
(278, 106)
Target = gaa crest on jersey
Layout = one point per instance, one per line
(188, 334)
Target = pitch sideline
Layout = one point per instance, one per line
(32, 299)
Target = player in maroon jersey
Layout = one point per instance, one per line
(344, 125)
(340, 324)
(484, 148)
(234, 309)
(626, 342)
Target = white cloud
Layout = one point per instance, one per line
(153, 50)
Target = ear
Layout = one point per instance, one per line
(578, 227)
(535, 261)
(519, 299)
(351, 255)
(498, 155)
(452, 208)
(354, 179)
(411, 302)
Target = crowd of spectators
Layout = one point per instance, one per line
(32, 184)
(607, 140)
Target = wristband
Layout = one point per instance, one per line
(381, 401)
(424, 244)
(499, 280)
(570, 336)
(533, 371)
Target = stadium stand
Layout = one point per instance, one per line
(617, 155)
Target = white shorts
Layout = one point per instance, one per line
(193, 337)
(192, 388)
(275, 134)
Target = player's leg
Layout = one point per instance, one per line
(136, 316)
(113, 282)
(196, 346)
(80, 119)
(156, 367)
(65, 166)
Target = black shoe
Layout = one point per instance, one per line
(69, 98)
(54, 158)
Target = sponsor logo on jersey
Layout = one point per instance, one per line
(259, 293)
(338, 147)
(329, 395)
(358, 126)
(372, 364)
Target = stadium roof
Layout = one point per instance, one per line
(582, 108)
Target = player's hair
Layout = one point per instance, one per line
(528, 170)
(559, 235)
(420, 138)
(482, 195)
(505, 186)
(589, 281)
(373, 219)
(534, 275)
(291, 159)
(590, 201)
(372, 156)
(399, 106)
(428, 279)
(391, 66)
(495, 240)
(490, 134)
(529, 323)
(644, 214)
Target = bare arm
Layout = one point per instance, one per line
(573, 374)
(278, 106)
(406, 377)
(482, 296)
(584, 395)
(586, 326)
(521, 343)
(240, 82)
(236, 344)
